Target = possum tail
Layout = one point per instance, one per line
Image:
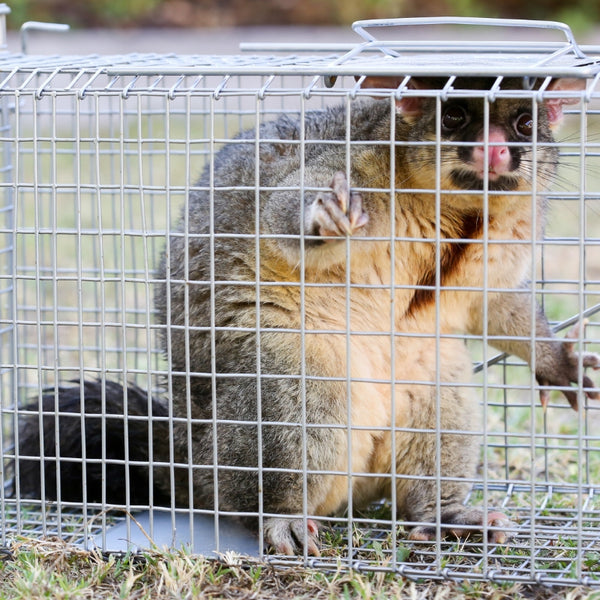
(103, 406)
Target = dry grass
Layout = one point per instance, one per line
(52, 569)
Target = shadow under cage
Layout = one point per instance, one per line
(252, 303)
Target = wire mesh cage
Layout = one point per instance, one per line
(141, 229)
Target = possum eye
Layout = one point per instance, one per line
(524, 125)
(454, 117)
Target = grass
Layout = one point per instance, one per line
(52, 569)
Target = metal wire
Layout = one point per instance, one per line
(100, 156)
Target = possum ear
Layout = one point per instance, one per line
(554, 106)
(408, 106)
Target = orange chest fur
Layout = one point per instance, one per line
(399, 286)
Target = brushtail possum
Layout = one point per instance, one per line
(337, 328)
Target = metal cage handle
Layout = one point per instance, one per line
(361, 26)
(39, 26)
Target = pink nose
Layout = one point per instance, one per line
(498, 154)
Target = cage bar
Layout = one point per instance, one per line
(101, 154)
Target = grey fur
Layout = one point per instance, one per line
(294, 392)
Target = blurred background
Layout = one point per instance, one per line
(579, 14)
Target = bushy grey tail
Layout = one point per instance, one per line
(103, 409)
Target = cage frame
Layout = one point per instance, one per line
(174, 77)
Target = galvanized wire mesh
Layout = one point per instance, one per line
(99, 156)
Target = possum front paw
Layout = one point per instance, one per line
(336, 213)
(561, 369)
(289, 536)
(496, 523)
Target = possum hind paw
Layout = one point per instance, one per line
(498, 527)
(290, 536)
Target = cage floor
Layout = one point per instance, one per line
(555, 543)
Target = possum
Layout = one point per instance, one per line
(312, 307)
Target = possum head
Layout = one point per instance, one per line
(485, 140)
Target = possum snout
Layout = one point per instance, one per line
(497, 160)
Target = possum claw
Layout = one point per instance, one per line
(290, 536)
(501, 523)
(338, 212)
(563, 371)
(497, 527)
